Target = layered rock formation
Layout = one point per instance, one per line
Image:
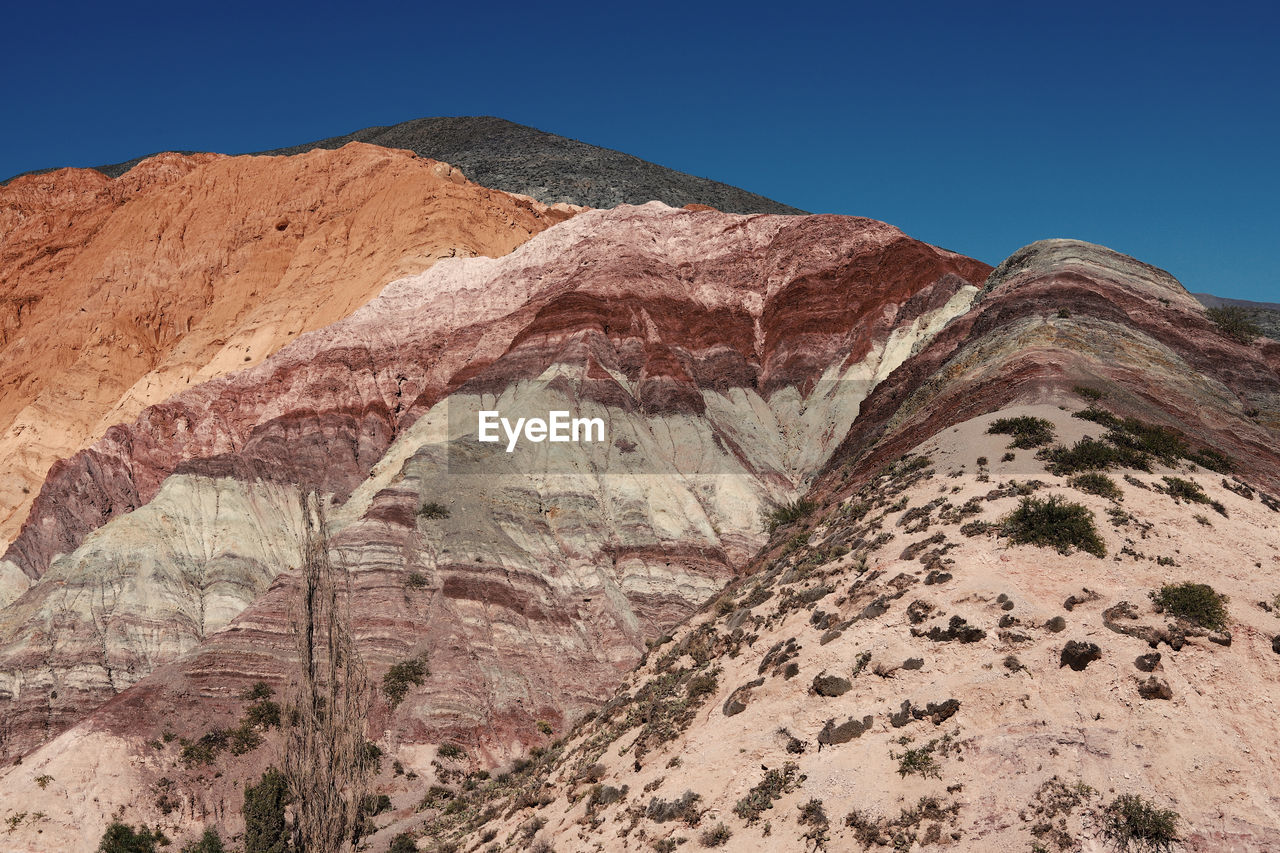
(728, 356)
(895, 671)
(119, 293)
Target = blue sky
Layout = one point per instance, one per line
(1151, 128)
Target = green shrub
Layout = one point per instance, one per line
(1134, 823)
(1027, 431)
(403, 843)
(1234, 322)
(1093, 395)
(1095, 483)
(774, 784)
(918, 761)
(401, 676)
(259, 690)
(1054, 523)
(1185, 490)
(788, 514)
(266, 829)
(433, 510)
(415, 580)
(1087, 454)
(701, 685)
(1166, 444)
(716, 836)
(1212, 460)
(210, 842)
(122, 838)
(1198, 602)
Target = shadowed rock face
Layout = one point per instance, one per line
(728, 355)
(117, 294)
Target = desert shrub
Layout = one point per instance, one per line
(1166, 444)
(451, 751)
(774, 784)
(1090, 454)
(210, 842)
(122, 838)
(789, 513)
(416, 580)
(1027, 431)
(1185, 490)
(1099, 416)
(1054, 523)
(1134, 823)
(1095, 483)
(701, 685)
(918, 761)
(259, 690)
(1212, 460)
(1198, 602)
(716, 836)
(433, 510)
(814, 816)
(206, 749)
(403, 843)
(401, 676)
(263, 714)
(1234, 322)
(1093, 395)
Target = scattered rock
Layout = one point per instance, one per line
(957, 629)
(1084, 597)
(738, 699)
(1222, 638)
(1154, 688)
(913, 663)
(935, 577)
(937, 713)
(1078, 655)
(1148, 662)
(1057, 624)
(918, 611)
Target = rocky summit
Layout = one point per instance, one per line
(657, 525)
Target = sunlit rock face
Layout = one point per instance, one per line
(726, 355)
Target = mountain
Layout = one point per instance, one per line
(727, 353)
(961, 641)
(503, 155)
(873, 544)
(116, 294)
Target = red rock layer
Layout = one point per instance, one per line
(659, 296)
(1061, 314)
(119, 293)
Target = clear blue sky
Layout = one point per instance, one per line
(1152, 128)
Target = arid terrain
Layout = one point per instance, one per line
(884, 548)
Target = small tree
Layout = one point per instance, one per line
(266, 827)
(325, 755)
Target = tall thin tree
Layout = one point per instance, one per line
(325, 752)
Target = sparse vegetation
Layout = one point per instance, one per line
(1234, 322)
(433, 511)
(416, 580)
(814, 816)
(1054, 522)
(1093, 395)
(209, 842)
(1134, 823)
(1197, 602)
(401, 676)
(403, 843)
(1027, 431)
(266, 829)
(774, 784)
(716, 836)
(122, 838)
(1097, 483)
(786, 514)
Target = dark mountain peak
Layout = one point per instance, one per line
(507, 156)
